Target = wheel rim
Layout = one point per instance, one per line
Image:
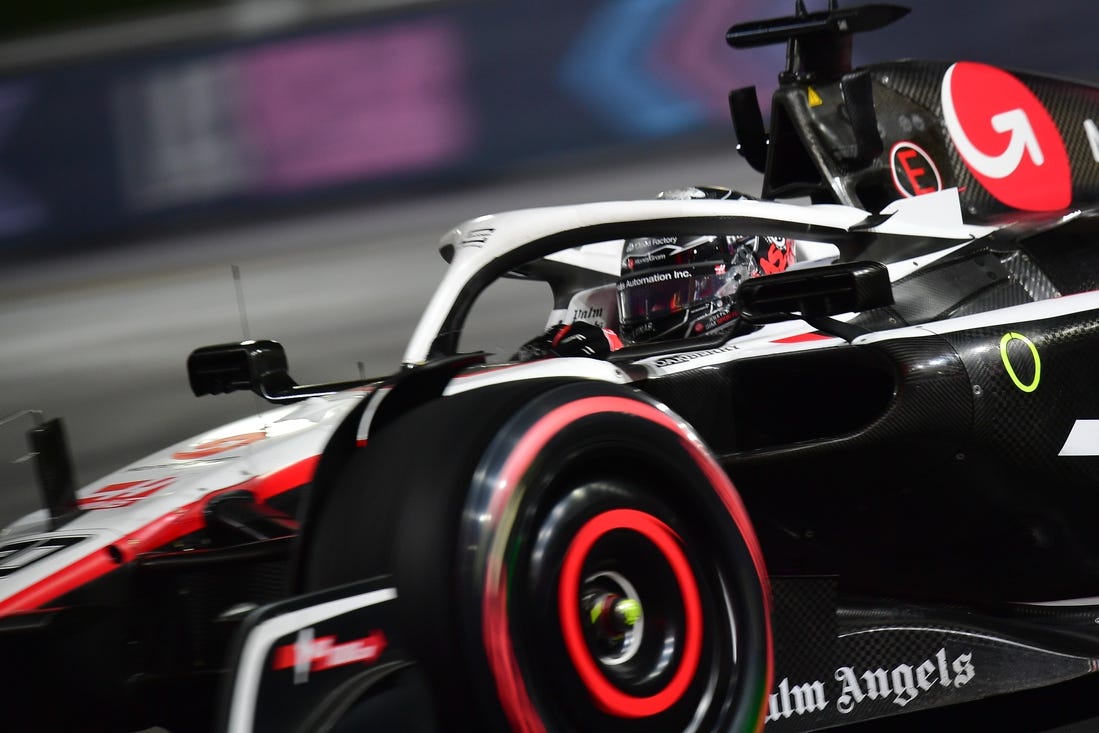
(611, 611)
(586, 638)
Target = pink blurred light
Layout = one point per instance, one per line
(356, 105)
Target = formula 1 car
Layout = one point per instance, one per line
(862, 485)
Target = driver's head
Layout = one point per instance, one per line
(682, 287)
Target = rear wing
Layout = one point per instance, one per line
(867, 136)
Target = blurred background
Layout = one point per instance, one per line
(322, 147)
(131, 117)
(147, 147)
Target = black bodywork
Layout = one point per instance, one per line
(971, 457)
(908, 491)
(834, 128)
(918, 466)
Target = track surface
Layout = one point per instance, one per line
(101, 339)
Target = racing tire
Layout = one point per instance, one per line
(568, 556)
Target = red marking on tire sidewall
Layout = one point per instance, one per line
(977, 93)
(606, 695)
(505, 668)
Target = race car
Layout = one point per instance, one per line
(810, 465)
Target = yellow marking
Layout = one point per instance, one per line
(814, 98)
(1007, 339)
(629, 610)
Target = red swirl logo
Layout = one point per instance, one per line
(1006, 138)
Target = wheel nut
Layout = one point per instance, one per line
(627, 612)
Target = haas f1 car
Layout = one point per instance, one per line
(772, 465)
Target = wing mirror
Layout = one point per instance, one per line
(259, 366)
(814, 294)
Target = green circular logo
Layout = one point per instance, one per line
(1007, 339)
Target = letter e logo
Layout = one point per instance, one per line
(914, 172)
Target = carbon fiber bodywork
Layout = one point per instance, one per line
(840, 662)
(900, 478)
(818, 146)
(851, 458)
(910, 93)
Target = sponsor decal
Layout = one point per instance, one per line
(633, 245)
(684, 358)
(914, 172)
(15, 556)
(779, 255)
(1006, 137)
(308, 654)
(656, 277)
(657, 249)
(219, 445)
(116, 496)
(587, 314)
(1010, 361)
(476, 237)
(1082, 440)
(900, 685)
(720, 318)
(633, 262)
(1092, 134)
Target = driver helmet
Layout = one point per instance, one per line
(684, 286)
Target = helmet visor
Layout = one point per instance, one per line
(669, 290)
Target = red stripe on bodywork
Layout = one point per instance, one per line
(802, 337)
(161, 531)
(84, 570)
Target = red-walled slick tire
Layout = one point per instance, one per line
(568, 556)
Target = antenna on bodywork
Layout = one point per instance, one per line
(257, 365)
(239, 285)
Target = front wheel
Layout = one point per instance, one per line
(572, 548)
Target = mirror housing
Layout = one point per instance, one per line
(815, 292)
(259, 366)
